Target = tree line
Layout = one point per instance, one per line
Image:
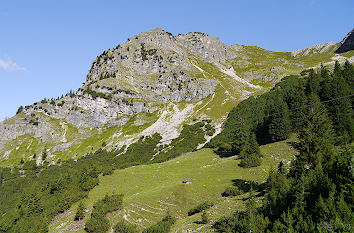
(316, 193)
(266, 118)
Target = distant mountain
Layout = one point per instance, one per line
(154, 83)
(347, 43)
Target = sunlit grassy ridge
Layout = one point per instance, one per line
(152, 190)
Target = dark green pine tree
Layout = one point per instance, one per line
(348, 74)
(313, 83)
(240, 138)
(296, 100)
(340, 110)
(324, 73)
(255, 222)
(250, 152)
(19, 110)
(337, 69)
(279, 121)
(277, 190)
(316, 136)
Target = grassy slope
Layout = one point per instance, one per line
(151, 190)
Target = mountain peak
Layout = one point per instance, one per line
(347, 43)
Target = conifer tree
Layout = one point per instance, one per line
(340, 110)
(316, 136)
(297, 99)
(313, 83)
(19, 110)
(240, 138)
(337, 71)
(348, 74)
(279, 124)
(250, 153)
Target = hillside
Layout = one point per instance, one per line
(151, 190)
(153, 83)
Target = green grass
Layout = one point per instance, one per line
(348, 54)
(261, 62)
(151, 190)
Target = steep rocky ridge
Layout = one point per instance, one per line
(155, 82)
(347, 43)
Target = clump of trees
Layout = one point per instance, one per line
(145, 53)
(189, 139)
(28, 203)
(265, 119)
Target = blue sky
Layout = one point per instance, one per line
(47, 47)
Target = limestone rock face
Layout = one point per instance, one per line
(347, 43)
(315, 49)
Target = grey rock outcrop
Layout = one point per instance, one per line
(315, 49)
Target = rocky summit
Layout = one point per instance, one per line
(347, 43)
(153, 83)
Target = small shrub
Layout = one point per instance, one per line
(124, 227)
(231, 191)
(34, 122)
(98, 224)
(80, 212)
(107, 171)
(19, 110)
(251, 160)
(61, 103)
(163, 226)
(205, 217)
(199, 208)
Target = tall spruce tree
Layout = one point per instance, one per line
(296, 100)
(348, 74)
(315, 137)
(313, 83)
(279, 121)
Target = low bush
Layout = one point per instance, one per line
(163, 226)
(231, 191)
(124, 227)
(251, 160)
(199, 208)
